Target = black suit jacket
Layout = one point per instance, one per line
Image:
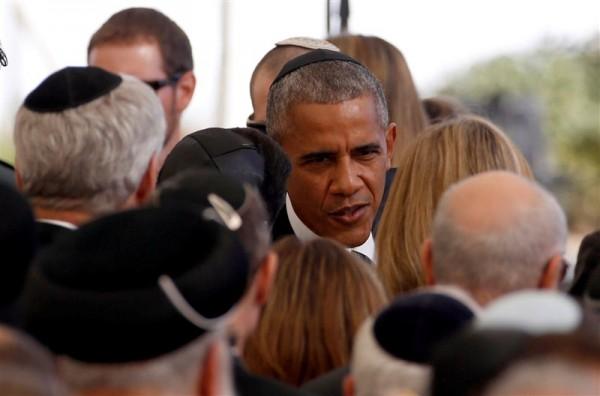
(47, 233)
(248, 384)
(328, 384)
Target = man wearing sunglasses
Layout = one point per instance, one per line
(147, 44)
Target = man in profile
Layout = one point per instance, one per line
(148, 45)
(329, 114)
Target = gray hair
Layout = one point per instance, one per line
(376, 372)
(327, 82)
(503, 259)
(91, 157)
(26, 368)
(172, 374)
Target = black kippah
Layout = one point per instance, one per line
(224, 150)
(94, 294)
(71, 87)
(320, 55)
(412, 326)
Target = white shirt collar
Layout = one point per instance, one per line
(306, 234)
(59, 223)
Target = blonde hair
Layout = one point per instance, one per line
(387, 63)
(444, 154)
(320, 297)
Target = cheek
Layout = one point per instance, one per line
(307, 187)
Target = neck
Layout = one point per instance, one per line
(70, 216)
(173, 138)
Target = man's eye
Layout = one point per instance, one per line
(318, 160)
(368, 153)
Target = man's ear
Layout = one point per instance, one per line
(348, 385)
(390, 140)
(265, 277)
(184, 91)
(552, 274)
(148, 183)
(427, 262)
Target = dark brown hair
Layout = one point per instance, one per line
(146, 24)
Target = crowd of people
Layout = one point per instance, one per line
(352, 239)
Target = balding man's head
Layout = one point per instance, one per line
(269, 66)
(497, 232)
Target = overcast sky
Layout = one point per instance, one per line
(438, 38)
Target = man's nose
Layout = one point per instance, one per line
(346, 178)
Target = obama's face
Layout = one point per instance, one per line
(339, 154)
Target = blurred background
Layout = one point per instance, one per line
(532, 67)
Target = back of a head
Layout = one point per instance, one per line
(443, 108)
(322, 80)
(146, 24)
(26, 368)
(244, 154)
(271, 63)
(502, 240)
(194, 188)
(393, 351)
(565, 364)
(131, 300)
(320, 296)
(444, 154)
(387, 63)
(84, 139)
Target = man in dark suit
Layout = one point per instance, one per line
(329, 114)
(86, 144)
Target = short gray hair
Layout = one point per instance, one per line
(174, 373)
(505, 259)
(327, 82)
(91, 157)
(376, 372)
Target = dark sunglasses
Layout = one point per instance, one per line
(158, 84)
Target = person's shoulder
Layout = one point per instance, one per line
(328, 384)
(47, 233)
(248, 384)
(282, 226)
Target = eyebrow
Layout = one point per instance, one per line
(366, 147)
(317, 155)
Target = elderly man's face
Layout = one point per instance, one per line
(339, 156)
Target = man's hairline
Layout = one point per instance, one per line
(279, 137)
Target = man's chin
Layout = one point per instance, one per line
(351, 239)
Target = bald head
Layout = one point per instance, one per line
(496, 232)
(269, 66)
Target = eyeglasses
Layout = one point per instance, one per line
(158, 84)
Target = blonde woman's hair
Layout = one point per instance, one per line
(444, 154)
(387, 63)
(320, 297)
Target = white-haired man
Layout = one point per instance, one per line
(86, 144)
(494, 233)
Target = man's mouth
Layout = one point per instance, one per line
(349, 215)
